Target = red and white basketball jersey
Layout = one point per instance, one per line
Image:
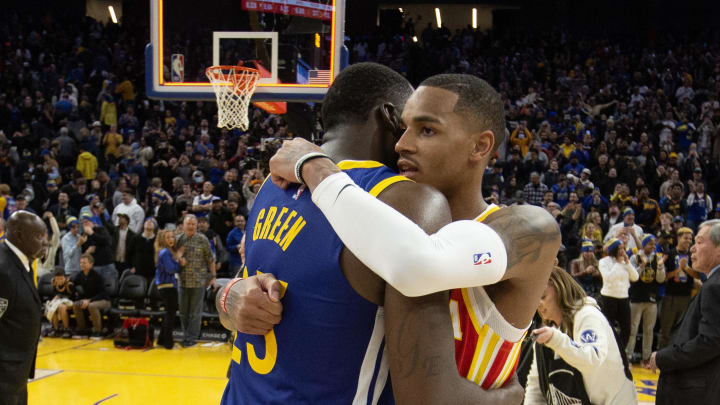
(487, 347)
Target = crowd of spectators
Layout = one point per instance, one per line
(77, 133)
(616, 138)
(107, 168)
(594, 125)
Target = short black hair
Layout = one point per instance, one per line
(358, 89)
(477, 100)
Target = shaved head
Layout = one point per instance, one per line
(27, 232)
(359, 89)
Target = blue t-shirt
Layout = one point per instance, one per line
(233, 240)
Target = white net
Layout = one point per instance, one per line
(234, 86)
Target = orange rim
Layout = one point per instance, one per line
(241, 74)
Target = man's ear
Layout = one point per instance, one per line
(389, 117)
(482, 145)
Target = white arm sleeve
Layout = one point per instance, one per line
(461, 254)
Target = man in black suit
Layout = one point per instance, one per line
(690, 364)
(20, 307)
(123, 239)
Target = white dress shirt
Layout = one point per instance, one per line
(120, 253)
(20, 255)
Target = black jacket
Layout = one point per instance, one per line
(102, 241)
(690, 364)
(129, 246)
(61, 214)
(20, 316)
(143, 258)
(224, 188)
(91, 287)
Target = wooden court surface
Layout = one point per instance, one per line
(72, 371)
(84, 371)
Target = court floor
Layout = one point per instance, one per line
(90, 372)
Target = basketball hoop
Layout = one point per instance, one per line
(233, 86)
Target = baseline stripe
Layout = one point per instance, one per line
(144, 374)
(67, 348)
(105, 399)
(42, 374)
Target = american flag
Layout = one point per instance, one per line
(319, 77)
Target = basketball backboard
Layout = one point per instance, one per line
(296, 44)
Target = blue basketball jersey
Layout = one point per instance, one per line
(203, 201)
(329, 346)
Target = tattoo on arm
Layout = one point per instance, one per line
(432, 366)
(524, 238)
(421, 348)
(406, 346)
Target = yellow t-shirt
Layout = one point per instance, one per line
(567, 149)
(112, 141)
(126, 90)
(108, 113)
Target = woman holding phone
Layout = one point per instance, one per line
(617, 272)
(576, 359)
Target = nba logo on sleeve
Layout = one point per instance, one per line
(482, 258)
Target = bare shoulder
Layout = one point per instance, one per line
(421, 203)
(530, 234)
